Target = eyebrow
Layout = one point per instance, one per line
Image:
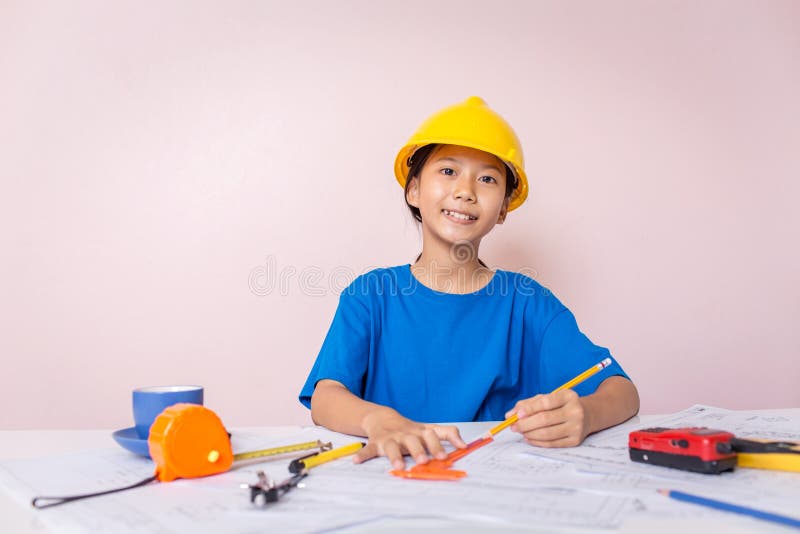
(456, 160)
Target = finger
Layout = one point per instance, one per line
(514, 410)
(569, 441)
(540, 420)
(413, 445)
(451, 434)
(526, 407)
(522, 409)
(549, 434)
(560, 398)
(433, 444)
(392, 451)
(367, 452)
(543, 403)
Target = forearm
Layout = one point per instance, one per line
(616, 400)
(335, 407)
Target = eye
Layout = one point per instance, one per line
(447, 171)
(487, 179)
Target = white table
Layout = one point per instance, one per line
(37, 443)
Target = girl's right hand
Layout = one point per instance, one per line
(392, 435)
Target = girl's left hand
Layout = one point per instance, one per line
(558, 419)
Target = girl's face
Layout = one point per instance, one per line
(460, 194)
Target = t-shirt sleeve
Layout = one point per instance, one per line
(566, 352)
(345, 351)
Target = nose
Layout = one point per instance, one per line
(464, 188)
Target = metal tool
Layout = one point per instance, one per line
(266, 491)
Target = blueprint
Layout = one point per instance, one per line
(509, 484)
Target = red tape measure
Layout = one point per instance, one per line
(703, 450)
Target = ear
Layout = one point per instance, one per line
(503, 212)
(412, 195)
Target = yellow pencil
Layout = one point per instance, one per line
(571, 384)
(321, 458)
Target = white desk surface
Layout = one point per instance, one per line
(20, 444)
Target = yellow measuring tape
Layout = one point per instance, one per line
(283, 450)
(766, 454)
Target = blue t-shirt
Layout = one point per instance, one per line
(443, 357)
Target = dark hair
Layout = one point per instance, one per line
(417, 161)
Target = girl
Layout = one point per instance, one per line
(448, 339)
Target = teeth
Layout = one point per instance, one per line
(459, 215)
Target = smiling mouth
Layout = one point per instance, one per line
(459, 216)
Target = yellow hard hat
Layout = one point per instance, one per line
(473, 124)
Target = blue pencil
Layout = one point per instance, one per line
(735, 508)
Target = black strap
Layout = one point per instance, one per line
(753, 446)
(36, 502)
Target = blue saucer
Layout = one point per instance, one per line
(129, 439)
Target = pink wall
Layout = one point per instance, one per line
(156, 160)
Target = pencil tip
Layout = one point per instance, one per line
(664, 492)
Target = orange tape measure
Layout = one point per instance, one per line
(187, 441)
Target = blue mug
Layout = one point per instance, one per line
(149, 402)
